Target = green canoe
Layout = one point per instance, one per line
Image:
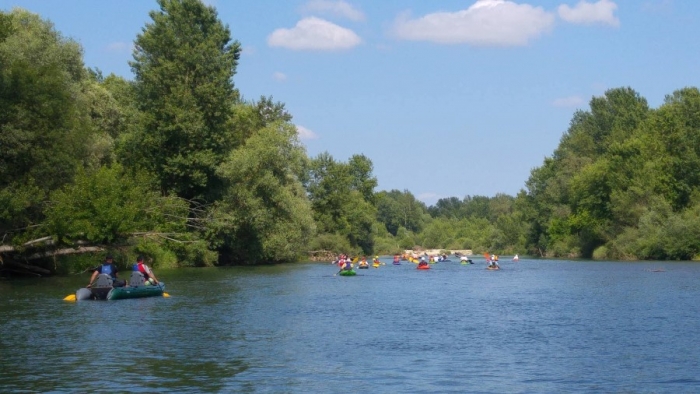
(347, 273)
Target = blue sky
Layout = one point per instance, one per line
(447, 98)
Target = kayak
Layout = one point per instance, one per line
(347, 273)
(102, 289)
(363, 267)
(493, 268)
(396, 263)
(376, 265)
(465, 262)
(423, 267)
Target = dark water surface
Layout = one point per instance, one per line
(533, 327)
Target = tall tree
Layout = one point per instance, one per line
(184, 63)
(43, 125)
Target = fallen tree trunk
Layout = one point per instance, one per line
(66, 251)
(9, 248)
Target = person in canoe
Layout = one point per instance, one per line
(346, 265)
(107, 267)
(363, 263)
(464, 259)
(145, 270)
(422, 262)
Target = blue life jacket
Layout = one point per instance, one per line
(107, 269)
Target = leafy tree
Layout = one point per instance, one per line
(264, 215)
(396, 209)
(338, 193)
(184, 63)
(44, 130)
(94, 209)
(248, 117)
(451, 207)
(363, 180)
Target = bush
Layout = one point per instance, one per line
(600, 253)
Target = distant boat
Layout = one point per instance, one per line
(516, 258)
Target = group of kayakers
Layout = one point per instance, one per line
(345, 263)
(108, 267)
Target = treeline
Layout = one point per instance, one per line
(624, 183)
(176, 164)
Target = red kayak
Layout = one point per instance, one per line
(423, 267)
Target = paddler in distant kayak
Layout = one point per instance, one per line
(363, 262)
(346, 265)
(422, 262)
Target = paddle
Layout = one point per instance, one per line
(165, 295)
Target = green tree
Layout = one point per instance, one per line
(264, 215)
(184, 63)
(44, 128)
(107, 205)
(338, 193)
(396, 209)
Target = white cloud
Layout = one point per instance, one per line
(336, 8)
(314, 34)
(119, 47)
(585, 13)
(306, 134)
(279, 76)
(486, 22)
(568, 102)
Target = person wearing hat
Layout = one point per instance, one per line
(109, 268)
(146, 271)
(422, 262)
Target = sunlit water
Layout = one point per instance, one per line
(533, 327)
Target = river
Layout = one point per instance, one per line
(536, 326)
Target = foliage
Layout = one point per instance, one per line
(264, 215)
(622, 181)
(396, 209)
(43, 124)
(107, 205)
(342, 197)
(184, 63)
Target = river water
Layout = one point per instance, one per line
(536, 326)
